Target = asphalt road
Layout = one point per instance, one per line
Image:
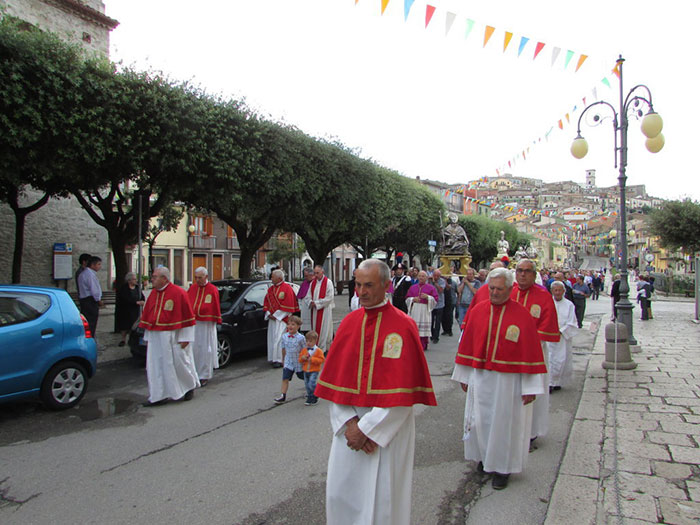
(231, 456)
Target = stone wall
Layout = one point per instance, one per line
(57, 17)
(60, 220)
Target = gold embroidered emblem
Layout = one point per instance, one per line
(207, 299)
(392, 346)
(535, 311)
(169, 305)
(512, 333)
(281, 296)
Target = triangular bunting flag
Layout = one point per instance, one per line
(506, 40)
(567, 118)
(384, 4)
(561, 125)
(470, 26)
(569, 54)
(487, 34)
(523, 42)
(407, 4)
(538, 48)
(595, 93)
(606, 81)
(581, 60)
(616, 69)
(449, 20)
(429, 12)
(555, 54)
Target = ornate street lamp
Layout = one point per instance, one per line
(652, 124)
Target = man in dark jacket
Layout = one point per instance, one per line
(401, 283)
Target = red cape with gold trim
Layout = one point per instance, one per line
(502, 338)
(540, 303)
(167, 309)
(281, 297)
(376, 360)
(205, 302)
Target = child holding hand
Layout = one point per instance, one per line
(311, 359)
(292, 343)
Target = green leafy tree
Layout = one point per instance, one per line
(484, 233)
(39, 90)
(677, 224)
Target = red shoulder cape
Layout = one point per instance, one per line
(167, 309)
(376, 360)
(502, 338)
(281, 297)
(539, 302)
(205, 302)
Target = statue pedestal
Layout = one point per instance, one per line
(511, 262)
(454, 264)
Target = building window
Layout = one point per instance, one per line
(87, 38)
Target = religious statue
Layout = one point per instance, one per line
(454, 238)
(531, 252)
(502, 246)
(521, 253)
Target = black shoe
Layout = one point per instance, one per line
(449, 334)
(155, 403)
(280, 399)
(555, 388)
(188, 395)
(480, 468)
(276, 365)
(499, 481)
(121, 343)
(203, 382)
(532, 444)
(551, 389)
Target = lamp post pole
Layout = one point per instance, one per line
(651, 127)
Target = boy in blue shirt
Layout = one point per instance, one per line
(292, 343)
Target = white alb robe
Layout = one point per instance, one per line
(205, 349)
(421, 314)
(540, 407)
(325, 331)
(276, 327)
(496, 423)
(560, 354)
(170, 369)
(305, 310)
(371, 489)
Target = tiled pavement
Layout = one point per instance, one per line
(633, 451)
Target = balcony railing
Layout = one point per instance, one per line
(204, 243)
(232, 243)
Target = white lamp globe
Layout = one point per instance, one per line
(579, 147)
(652, 124)
(656, 144)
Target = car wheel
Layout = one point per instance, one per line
(224, 351)
(64, 385)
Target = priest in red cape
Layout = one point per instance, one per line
(321, 303)
(168, 321)
(374, 374)
(280, 302)
(204, 299)
(539, 302)
(501, 367)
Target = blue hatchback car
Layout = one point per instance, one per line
(46, 348)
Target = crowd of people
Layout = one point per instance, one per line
(515, 328)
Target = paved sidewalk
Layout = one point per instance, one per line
(633, 451)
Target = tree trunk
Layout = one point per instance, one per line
(19, 246)
(20, 217)
(319, 254)
(118, 241)
(246, 259)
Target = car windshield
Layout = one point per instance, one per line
(228, 295)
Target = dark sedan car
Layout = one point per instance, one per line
(243, 325)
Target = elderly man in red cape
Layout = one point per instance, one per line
(320, 302)
(280, 302)
(204, 299)
(501, 367)
(168, 321)
(374, 374)
(538, 301)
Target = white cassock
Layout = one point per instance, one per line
(421, 314)
(371, 489)
(326, 304)
(540, 406)
(560, 358)
(496, 423)
(205, 349)
(276, 328)
(169, 368)
(304, 308)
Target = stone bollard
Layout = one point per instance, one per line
(621, 346)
